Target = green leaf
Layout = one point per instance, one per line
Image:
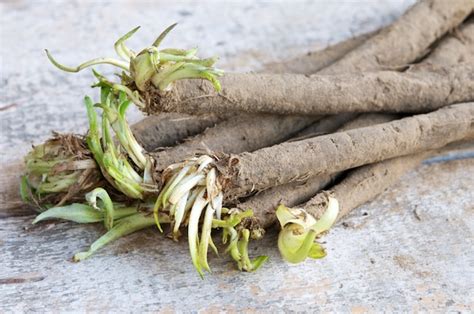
(79, 213)
(123, 227)
(107, 205)
(328, 218)
(121, 49)
(316, 251)
(299, 230)
(111, 61)
(162, 36)
(258, 262)
(25, 190)
(293, 245)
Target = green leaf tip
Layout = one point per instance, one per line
(79, 213)
(299, 229)
(121, 49)
(107, 206)
(122, 228)
(89, 63)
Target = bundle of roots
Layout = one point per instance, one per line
(233, 154)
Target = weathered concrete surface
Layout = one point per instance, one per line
(410, 249)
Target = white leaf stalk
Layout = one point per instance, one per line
(159, 67)
(299, 229)
(192, 196)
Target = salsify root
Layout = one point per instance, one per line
(379, 46)
(289, 162)
(407, 39)
(245, 133)
(454, 49)
(264, 203)
(423, 90)
(238, 175)
(312, 62)
(360, 186)
(169, 129)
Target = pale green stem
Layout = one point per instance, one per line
(108, 209)
(111, 61)
(123, 227)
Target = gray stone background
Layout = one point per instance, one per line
(408, 250)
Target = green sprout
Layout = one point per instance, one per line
(161, 68)
(124, 165)
(238, 239)
(299, 230)
(119, 219)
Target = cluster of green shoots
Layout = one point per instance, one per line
(125, 165)
(161, 68)
(119, 219)
(57, 171)
(191, 197)
(299, 230)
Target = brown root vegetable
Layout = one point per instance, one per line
(245, 133)
(326, 125)
(231, 131)
(168, 129)
(231, 177)
(397, 45)
(248, 132)
(408, 38)
(456, 48)
(450, 51)
(312, 62)
(291, 194)
(364, 184)
(423, 90)
(290, 162)
(209, 182)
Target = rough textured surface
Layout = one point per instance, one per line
(408, 250)
(168, 129)
(441, 16)
(312, 61)
(423, 90)
(291, 194)
(232, 136)
(300, 160)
